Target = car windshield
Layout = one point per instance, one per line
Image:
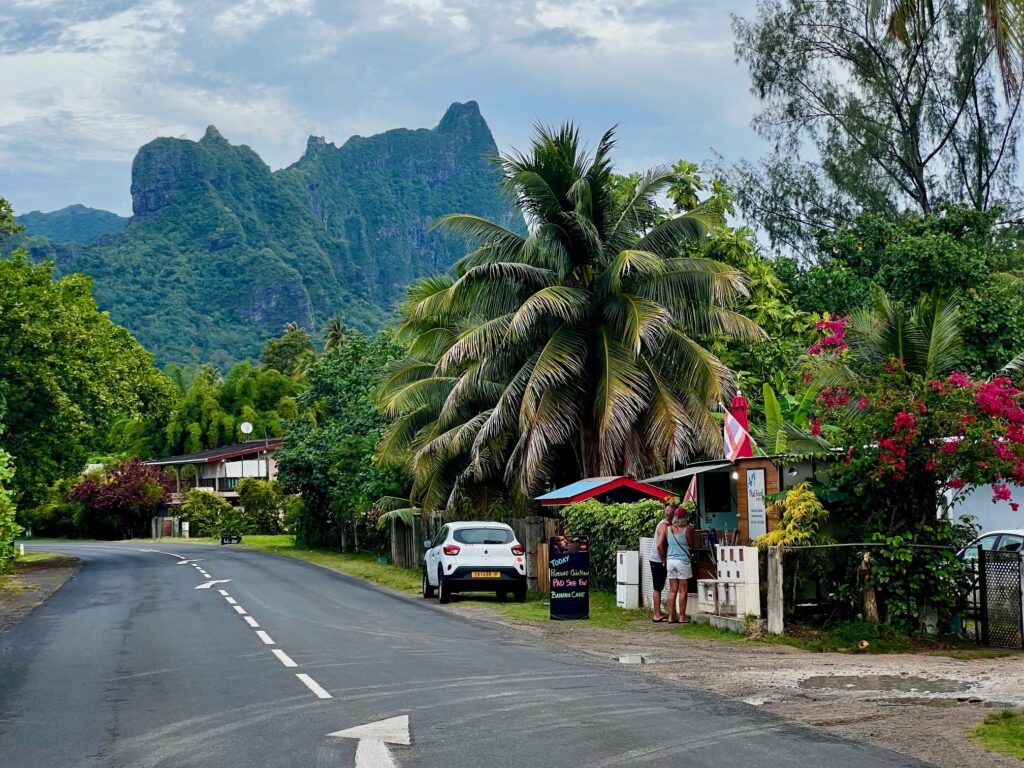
(483, 536)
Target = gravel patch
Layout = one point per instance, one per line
(29, 584)
(917, 704)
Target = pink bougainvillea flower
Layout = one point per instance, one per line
(957, 483)
(958, 380)
(904, 421)
(1014, 506)
(931, 465)
(1001, 492)
(862, 404)
(815, 426)
(1003, 451)
(833, 338)
(997, 397)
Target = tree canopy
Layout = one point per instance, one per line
(572, 351)
(66, 374)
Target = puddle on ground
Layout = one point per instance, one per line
(909, 684)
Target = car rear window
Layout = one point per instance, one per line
(483, 536)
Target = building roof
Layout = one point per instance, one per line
(590, 487)
(694, 469)
(219, 454)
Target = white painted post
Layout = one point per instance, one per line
(775, 625)
(22, 546)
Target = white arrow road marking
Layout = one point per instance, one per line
(314, 686)
(374, 738)
(209, 584)
(161, 552)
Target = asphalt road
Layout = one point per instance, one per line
(130, 665)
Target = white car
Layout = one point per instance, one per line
(994, 541)
(474, 557)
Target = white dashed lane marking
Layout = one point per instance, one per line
(314, 686)
(316, 689)
(284, 658)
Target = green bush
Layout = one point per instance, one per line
(8, 528)
(610, 526)
(209, 515)
(262, 503)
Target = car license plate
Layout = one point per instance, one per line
(485, 574)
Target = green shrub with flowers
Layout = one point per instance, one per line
(908, 440)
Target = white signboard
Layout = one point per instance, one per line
(757, 521)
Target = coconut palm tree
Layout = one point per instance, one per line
(1005, 24)
(573, 349)
(335, 333)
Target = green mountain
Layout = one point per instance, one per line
(221, 251)
(74, 224)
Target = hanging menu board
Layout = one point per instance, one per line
(569, 572)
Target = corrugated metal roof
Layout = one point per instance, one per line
(224, 452)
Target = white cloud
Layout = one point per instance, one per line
(87, 84)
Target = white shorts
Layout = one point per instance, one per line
(679, 569)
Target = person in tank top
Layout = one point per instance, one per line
(678, 543)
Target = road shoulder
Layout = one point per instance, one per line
(31, 582)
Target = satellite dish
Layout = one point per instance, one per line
(246, 428)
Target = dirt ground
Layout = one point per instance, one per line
(919, 705)
(29, 584)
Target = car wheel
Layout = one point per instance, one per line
(444, 591)
(428, 589)
(520, 593)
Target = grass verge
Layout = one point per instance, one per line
(359, 564)
(1001, 731)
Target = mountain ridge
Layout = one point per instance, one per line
(221, 250)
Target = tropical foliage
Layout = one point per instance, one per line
(329, 457)
(573, 350)
(209, 515)
(892, 126)
(9, 527)
(118, 501)
(67, 373)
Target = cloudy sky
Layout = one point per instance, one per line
(84, 84)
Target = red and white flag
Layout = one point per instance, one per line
(734, 437)
(691, 491)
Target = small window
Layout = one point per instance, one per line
(1009, 543)
(483, 536)
(987, 543)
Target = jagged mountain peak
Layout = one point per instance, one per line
(222, 251)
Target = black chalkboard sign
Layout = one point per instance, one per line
(230, 538)
(569, 572)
